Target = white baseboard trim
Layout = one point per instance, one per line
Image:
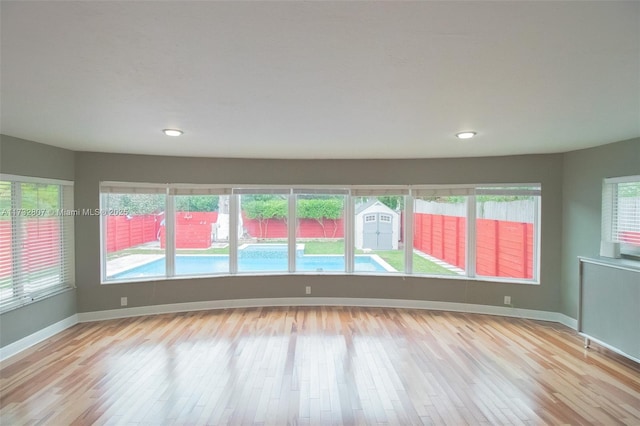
(567, 320)
(329, 301)
(35, 338)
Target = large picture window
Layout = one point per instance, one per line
(506, 231)
(320, 226)
(378, 230)
(440, 232)
(263, 229)
(200, 232)
(134, 232)
(36, 238)
(181, 230)
(201, 235)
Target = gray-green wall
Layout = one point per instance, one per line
(26, 158)
(571, 201)
(91, 168)
(583, 172)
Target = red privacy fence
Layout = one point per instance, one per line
(193, 230)
(441, 236)
(503, 248)
(196, 229)
(42, 239)
(307, 228)
(129, 231)
(630, 237)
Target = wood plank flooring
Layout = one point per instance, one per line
(319, 365)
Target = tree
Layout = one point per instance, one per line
(40, 196)
(320, 209)
(265, 207)
(394, 202)
(197, 203)
(136, 204)
(629, 189)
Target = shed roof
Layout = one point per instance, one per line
(362, 207)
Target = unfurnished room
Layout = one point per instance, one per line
(319, 212)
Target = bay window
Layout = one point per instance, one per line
(476, 232)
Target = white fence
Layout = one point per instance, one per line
(512, 211)
(445, 209)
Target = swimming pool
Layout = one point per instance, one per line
(254, 258)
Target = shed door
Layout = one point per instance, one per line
(377, 231)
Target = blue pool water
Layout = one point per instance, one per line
(254, 258)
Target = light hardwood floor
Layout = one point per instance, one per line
(324, 365)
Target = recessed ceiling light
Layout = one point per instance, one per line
(465, 135)
(172, 132)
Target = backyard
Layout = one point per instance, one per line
(504, 234)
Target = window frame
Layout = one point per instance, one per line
(178, 230)
(356, 191)
(237, 193)
(351, 192)
(511, 190)
(135, 188)
(420, 194)
(296, 199)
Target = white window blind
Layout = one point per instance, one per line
(36, 239)
(521, 191)
(177, 189)
(621, 213)
(442, 191)
(129, 188)
(320, 191)
(374, 191)
(261, 191)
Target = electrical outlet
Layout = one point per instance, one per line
(123, 301)
(507, 300)
(308, 289)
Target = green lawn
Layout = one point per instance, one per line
(324, 247)
(394, 258)
(421, 265)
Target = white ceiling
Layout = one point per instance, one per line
(321, 79)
